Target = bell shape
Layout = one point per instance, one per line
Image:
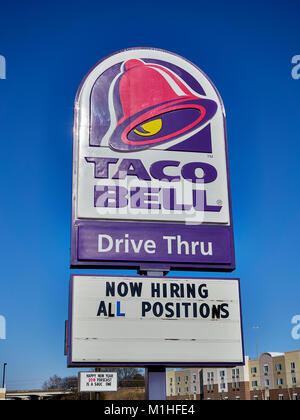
(157, 107)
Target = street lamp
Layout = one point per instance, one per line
(3, 383)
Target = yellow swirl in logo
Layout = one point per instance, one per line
(151, 128)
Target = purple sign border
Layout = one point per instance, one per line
(143, 266)
(71, 364)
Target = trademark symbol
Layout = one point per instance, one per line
(210, 156)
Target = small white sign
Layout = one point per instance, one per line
(97, 381)
(155, 320)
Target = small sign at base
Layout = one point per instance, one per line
(97, 381)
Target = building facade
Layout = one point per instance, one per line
(226, 383)
(184, 384)
(2, 393)
(273, 376)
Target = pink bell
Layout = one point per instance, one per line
(157, 107)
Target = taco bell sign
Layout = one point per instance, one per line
(150, 170)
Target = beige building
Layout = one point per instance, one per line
(254, 375)
(183, 384)
(292, 368)
(274, 376)
(2, 394)
(226, 383)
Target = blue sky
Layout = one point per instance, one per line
(246, 48)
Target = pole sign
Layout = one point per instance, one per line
(150, 168)
(97, 381)
(165, 321)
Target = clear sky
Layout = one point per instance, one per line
(246, 48)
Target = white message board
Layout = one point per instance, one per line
(150, 320)
(97, 381)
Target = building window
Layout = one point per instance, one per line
(186, 389)
(278, 367)
(295, 397)
(294, 380)
(268, 398)
(186, 378)
(292, 365)
(233, 372)
(178, 379)
(238, 386)
(267, 382)
(280, 397)
(255, 398)
(171, 390)
(279, 381)
(266, 368)
(195, 388)
(171, 380)
(237, 372)
(233, 385)
(223, 386)
(178, 389)
(254, 383)
(222, 373)
(253, 370)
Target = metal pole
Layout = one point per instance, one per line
(155, 376)
(3, 383)
(156, 383)
(97, 394)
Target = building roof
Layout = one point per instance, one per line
(273, 354)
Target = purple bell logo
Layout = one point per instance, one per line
(151, 106)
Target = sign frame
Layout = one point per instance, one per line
(84, 227)
(72, 364)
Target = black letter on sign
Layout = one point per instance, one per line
(146, 306)
(204, 310)
(224, 310)
(216, 311)
(102, 309)
(110, 289)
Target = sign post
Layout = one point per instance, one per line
(155, 376)
(155, 379)
(151, 192)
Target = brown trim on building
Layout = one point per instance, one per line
(241, 392)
